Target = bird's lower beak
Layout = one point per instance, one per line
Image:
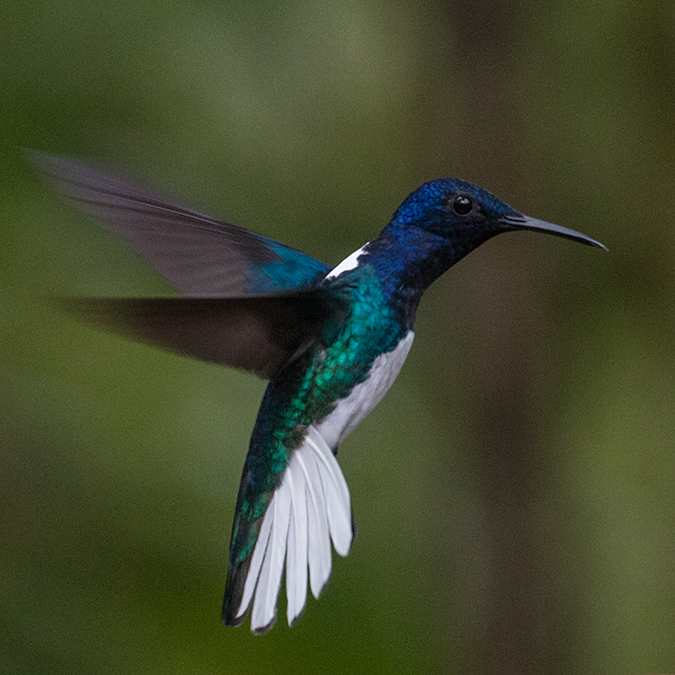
(521, 222)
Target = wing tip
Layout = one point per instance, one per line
(38, 158)
(57, 168)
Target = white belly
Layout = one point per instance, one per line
(365, 396)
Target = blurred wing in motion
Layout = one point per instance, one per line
(258, 334)
(199, 255)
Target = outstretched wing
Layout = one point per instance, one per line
(259, 334)
(199, 255)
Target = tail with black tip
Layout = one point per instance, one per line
(310, 507)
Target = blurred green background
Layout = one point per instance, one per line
(514, 492)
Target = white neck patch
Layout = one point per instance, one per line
(349, 263)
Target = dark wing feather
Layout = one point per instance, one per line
(199, 255)
(257, 334)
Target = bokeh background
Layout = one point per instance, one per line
(514, 492)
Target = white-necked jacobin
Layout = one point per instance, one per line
(330, 341)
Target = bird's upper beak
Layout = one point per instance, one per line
(521, 222)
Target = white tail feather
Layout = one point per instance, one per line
(269, 581)
(319, 553)
(296, 553)
(336, 493)
(309, 508)
(256, 564)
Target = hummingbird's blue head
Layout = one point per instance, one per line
(463, 212)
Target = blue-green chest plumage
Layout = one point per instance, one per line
(312, 389)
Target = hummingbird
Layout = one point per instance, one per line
(331, 341)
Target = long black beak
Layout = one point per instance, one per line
(521, 222)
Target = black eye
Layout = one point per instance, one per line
(462, 205)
